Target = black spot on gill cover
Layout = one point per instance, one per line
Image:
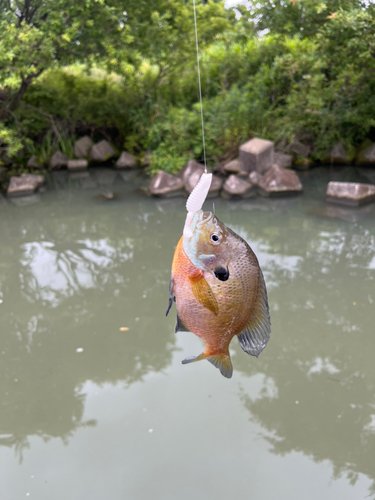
(222, 273)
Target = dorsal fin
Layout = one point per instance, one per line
(256, 334)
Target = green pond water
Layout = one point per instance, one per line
(90, 411)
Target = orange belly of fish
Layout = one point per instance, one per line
(235, 299)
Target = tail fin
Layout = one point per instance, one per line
(220, 361)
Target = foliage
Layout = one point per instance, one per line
(40, 35)
(303, 18)
(312, 79)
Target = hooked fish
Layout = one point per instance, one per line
(219, 290)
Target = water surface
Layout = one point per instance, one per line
(94, 401)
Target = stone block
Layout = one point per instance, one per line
(350, 193)
(257, 154)
(282, 160)
(236, 187)
(126, 160)
(190, 167)
(77, 164)
(33, 162)
(24, 185)
(82, 147)
(233, 167)
(300, 149)
(102, 151)
(339, 154)
(58, 160)
(279, 181)
(193, 174)
(255, 178)
(164, 184)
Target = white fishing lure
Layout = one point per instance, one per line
(195, 201)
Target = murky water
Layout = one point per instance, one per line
(94, 400)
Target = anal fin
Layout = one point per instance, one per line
(256, 334)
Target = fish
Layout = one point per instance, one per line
(219, 291)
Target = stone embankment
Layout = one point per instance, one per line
(259, 170)
(85, 153)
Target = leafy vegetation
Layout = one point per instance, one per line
(303, 70)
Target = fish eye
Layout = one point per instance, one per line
(215, 238)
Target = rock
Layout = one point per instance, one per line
(126, 160)
(236, 187)
(193, 179)
(257, 154)
(24, 185)
(59, 160)
(102, 151)
(233, 167)
(300, 149)
(255, 178)
(82, 147)
(77, 164)
(338, 154)
(33, 163)
(215, 187)
(282, 160)
(350, 193)
(279, 181)
(366, 156)
(107, 196)
(189, 168)
(164, 184)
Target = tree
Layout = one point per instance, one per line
(297, 17)
(41, 34)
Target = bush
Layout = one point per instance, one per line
(316, 89)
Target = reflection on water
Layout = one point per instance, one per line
(74, 271)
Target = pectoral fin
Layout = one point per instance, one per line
(220, 361)
(255, 336)
(203, 293)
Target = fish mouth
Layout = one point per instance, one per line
(203, 218)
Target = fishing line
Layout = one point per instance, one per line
(199, 84)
